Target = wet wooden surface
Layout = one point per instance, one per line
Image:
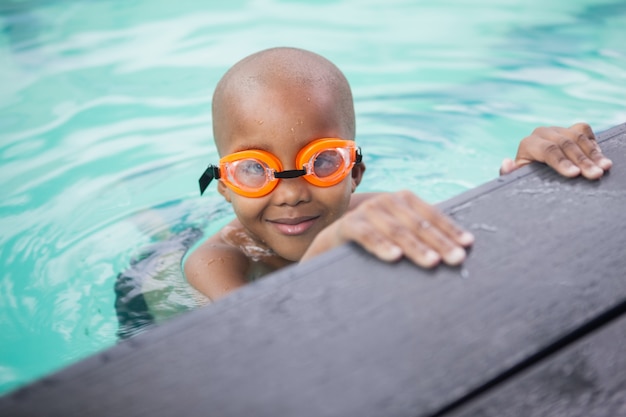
(586, 378)
(347, 335)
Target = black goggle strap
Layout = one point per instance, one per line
(359, 156)
(212, 172)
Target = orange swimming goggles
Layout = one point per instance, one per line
(255, 173)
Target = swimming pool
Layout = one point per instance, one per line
(105, 127)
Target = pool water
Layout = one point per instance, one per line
(105, 127)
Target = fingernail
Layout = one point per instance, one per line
(466, 238)
(572, 170)
(431, 258)
(595, 171)
(605, 163)
(455, 256)
(394, 252)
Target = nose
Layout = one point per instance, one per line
(291, 192)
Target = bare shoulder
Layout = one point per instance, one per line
(213, 255)
(216, 268)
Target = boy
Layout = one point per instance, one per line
(284, 127)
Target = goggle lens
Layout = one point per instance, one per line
(247, 173)
(328, 162)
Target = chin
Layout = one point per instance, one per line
(291, 256)
(294, 254)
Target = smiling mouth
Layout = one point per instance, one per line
(294, 226)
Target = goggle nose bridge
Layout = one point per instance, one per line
(291, 173)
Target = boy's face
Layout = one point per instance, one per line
(282, 121)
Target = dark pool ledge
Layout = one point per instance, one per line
(534, 324)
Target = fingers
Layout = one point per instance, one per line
(586, 139)
(570, 151)
(580, 147)
(442, 224)
(549, 146)
(400, 224)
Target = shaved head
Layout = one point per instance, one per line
(287, 71)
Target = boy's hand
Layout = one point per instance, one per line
(570, 151)
(392, 225)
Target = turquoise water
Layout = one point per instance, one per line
(105, 127)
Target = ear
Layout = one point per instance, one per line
(223, 190)
(357, 175)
